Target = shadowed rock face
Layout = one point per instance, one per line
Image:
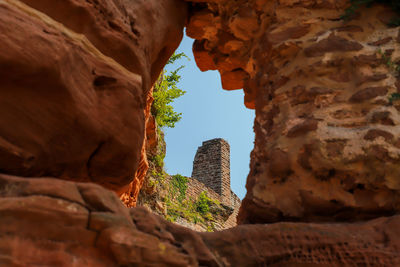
(326, 145)
(50, 222)
(76, 78)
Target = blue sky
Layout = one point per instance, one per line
(208, 112)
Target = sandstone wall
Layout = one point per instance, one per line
(326, 135)
(71, 107)
(326, 145)
(46, 221)
(76, 79)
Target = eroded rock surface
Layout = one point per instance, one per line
(74, 104)
(76, 78)
(326, 127)
(50, 222)
(329, 113)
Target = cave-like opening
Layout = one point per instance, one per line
(209, 112)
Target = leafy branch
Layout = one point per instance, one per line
(165, 92)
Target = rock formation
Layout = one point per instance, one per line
(76, 83)
(326, 128)
(49, 222)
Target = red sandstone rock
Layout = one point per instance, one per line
(76, 75)
(295, 32)
(87, 225)
(303, 128)
(326, 146)
(331, 44)
(130, 194)
(65, 118)
(233, 79)
(368, 93)
(73, 106)
(203, 60)
(124, 30)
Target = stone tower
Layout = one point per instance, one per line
(211, 166)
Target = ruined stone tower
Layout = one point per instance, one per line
(211, 166)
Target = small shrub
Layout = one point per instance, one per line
(211, 228)
(202, 205)
(152, 182)
(158, 160)
(179, 184)
(197, 211)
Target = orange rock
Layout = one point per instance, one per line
(323, 102)
(75, 105)
(76, 94)
(203, 59)
(233, 80)
(130, 194)
(200, 24)
(87, 225)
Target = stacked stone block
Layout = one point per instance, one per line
(211, 166)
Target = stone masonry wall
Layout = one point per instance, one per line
(211, 166)
(235, 204)
(195, 188)
(211, 173)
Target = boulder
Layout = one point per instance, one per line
(76, 79)
(50, 222)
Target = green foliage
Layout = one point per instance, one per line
(357, 4)
(165, 92)
(184, 209)
(157, 175)
(202, 204)
(152, 182)
(196, 211)
(211, 227)
(158, 160)
(179, 183)
(394, 97)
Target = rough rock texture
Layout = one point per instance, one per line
(327, 145)
(212, 167)
(76, 77)
(130, 194)
(50, 222)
